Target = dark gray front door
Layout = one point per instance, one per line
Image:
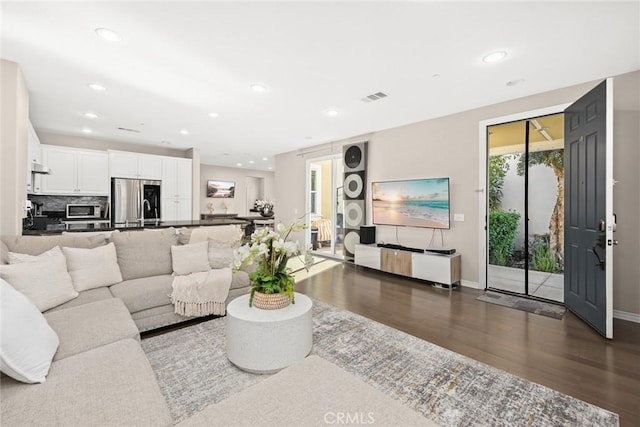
(588, 205)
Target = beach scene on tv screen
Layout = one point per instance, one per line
(413, 203)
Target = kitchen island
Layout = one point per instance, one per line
(140, 225)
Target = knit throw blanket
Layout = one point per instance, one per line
(201, 294)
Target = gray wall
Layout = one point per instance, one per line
(239, 203)
(13, 147)
(449, 146)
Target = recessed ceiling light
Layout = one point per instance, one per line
(238, 164)
(331, 113)
(251, 161)
(515, 82)
(214, 115)
(265, 158)
(86, 130)
(184, 132)
(90, 115)
(494, 56)
(97, 87)
(270, 167)
(108, 35)
(258, 87)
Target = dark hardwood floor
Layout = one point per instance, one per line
(565, 355)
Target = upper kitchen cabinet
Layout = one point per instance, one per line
(132, 165)
(176, 178)
(75, 171)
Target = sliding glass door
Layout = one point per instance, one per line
(526, 207)
(325, 205)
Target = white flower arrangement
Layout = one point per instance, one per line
(270, 250)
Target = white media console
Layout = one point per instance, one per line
(439, 268)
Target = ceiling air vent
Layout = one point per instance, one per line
(129, 130)
(374, 97)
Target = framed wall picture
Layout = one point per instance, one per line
(221, 189)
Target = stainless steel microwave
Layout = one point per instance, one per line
(79, 211)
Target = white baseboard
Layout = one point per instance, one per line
(625, 315)
(470, 284)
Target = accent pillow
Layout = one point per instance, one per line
(17, 258)
(44, 281)
(93, 268)
(144, 254)
(220, 253)
(27, 342)
(191, 258)
(229, 232)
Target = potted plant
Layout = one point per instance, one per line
(269, 251)
(265, 207)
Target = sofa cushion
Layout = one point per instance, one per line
(35, 245)
(147, 292)
(85, 297)
(27, 342)
(93, 268)
(228, 233)
(112, 385)
(91, 325)
(192, 258)
(220, 253)
(17, 258)
(143, 254)
(44, 281)
(240, 279)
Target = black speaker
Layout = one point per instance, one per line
(367, 234)
(354, 157)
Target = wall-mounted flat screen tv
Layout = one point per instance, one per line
(221, 189)
(412, 203)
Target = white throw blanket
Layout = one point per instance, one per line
(201, 294)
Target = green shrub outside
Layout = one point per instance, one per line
(502, 233)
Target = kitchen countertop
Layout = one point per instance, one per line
(137, 226)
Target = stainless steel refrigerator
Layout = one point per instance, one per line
(134, 201)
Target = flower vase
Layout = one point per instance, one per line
(270, 301)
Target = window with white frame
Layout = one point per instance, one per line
(315, 195)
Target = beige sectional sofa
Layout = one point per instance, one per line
(100, 374)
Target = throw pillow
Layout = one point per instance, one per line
(45, 281)
(17, 258)
(144, 254)
(93, 268)
(27, 342)
(189, 259)
(220, 253)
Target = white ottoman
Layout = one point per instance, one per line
(265, 341)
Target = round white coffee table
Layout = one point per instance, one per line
(265, 341)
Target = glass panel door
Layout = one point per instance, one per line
(506, 205)
(324, 204)
(526, 207)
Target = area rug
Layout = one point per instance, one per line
(451, 389)
(524, 304)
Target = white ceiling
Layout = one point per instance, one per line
(181, 60)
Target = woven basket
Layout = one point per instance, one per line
(270, 301)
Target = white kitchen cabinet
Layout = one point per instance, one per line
(123, 164)
(175, 209)
(75, 171)
(176, 178)
(176, 189)
(34, 155)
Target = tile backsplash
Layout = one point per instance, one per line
(59, 203)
